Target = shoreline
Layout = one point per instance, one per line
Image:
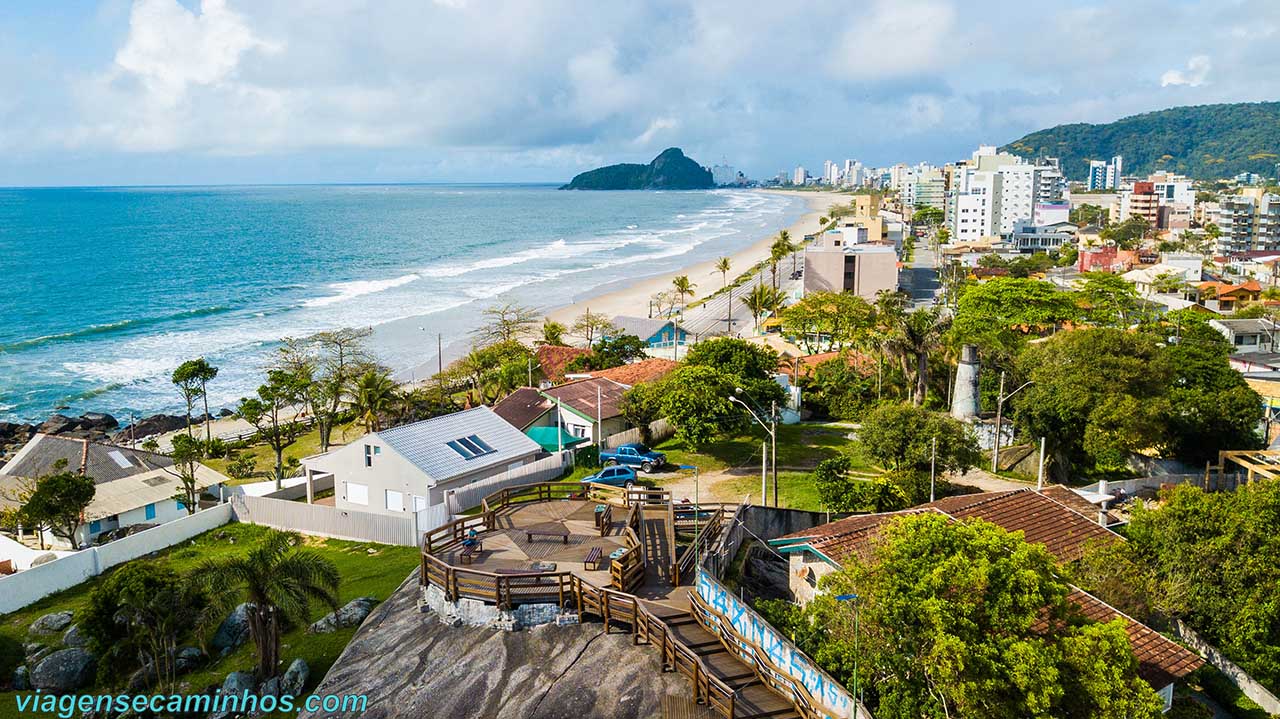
(633, 300)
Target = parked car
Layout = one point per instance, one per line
(634, 455)
(617, 476)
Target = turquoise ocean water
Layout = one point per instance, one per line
(103, 291)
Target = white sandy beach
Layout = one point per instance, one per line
(633, 300)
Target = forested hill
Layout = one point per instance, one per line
(670, 170)
(1202, 141)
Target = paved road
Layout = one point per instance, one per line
(920, 279)
(712, 317)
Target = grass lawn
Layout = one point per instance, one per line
(305, 445)
(800, 447)
(363, 573)
(795, 490)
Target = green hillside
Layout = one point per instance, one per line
(670, 170)
(1201, 141)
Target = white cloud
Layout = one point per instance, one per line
(894, 38)
(1197, 70)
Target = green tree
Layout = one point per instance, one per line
(186, 455)
(761, 300)
(192, 379)
(1168, 283)
(552, 333)
(831, 319)
(840, 490)
(590, 324)
(58, 502)
(279, 581)
(928, 216)
(1108, 300)
(506, 322)
(1128, 233)
(901, 436)
(1003, 312)
(913, 337)
(610, 352)
(1082, 384)
(723, 265)
(267, 413)
(684, 288)
(138, 615)
(1085, 215)
(695, 398)
(372, 397)
(966, 619)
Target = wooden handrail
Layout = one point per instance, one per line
(756, 657)
(707, 533)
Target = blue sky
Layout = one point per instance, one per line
(240, 91)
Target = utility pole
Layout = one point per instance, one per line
(773, 437)
(995, 449)
(440, 367)
(529, 361)
(933, 463)
(1040, 472)
(764, 474)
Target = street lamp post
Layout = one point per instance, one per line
(772, 429)
(1000, 398)
(853, 598)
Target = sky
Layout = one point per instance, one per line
(110, 92)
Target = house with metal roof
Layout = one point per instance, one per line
(656, 332)
(1041, 517)
(412, 467)
(133, 487)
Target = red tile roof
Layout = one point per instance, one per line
(646, 370)
(1042, 520)
(552, 359)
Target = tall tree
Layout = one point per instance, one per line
(192, 379)
(761, 300)
(326, 365)
(186, 454)
(267, 413)
(683, 287)
(505, 322)
(902, 436)
(372, 397)
(590, 325)
(59, 502)
(279, 581)
(913, 337)
(552, 333)
(723, 265)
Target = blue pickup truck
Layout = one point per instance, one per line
(634, 455)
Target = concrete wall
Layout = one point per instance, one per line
(25, 587)
(291, 488)
(1247, 684)
(835, 700)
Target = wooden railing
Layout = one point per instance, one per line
(502, 590)
(648, 497)
(613, 606)
(527, 494)
(709, 525)
(755, 657)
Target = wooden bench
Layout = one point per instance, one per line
(593, 559)
(469, 553)
(551, 530)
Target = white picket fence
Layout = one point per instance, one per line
(25, 587)
(323, 521)
(544, 470)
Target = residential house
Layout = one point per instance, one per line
(1042, 519)
(645, 370)
(1145, 279)
(1106, 259)
(133, 487)
(590, 408)
(413, 466)
(1227, 297)
(1248, 336)
(656, 332)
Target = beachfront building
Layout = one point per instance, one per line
(1061, 520)
(656, 332)
(414, 466)
(133, 489)
(845, 260)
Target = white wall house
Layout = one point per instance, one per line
(411, 467)
(132, 486)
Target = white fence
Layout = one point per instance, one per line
(325, 521)
(290, 488)
(659, 430)
(1133, 486)
(464, 498)
(25, 587)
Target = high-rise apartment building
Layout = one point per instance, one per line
(1105, 175)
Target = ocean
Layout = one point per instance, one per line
(103, 291)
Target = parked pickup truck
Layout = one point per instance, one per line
(634, 455)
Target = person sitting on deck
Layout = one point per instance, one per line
(471, 539)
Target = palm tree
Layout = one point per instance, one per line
(761, 300)
(787, 247)
(913, 336)
(372, 396)
(683, 287)
(723, 265)
(279, 581)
